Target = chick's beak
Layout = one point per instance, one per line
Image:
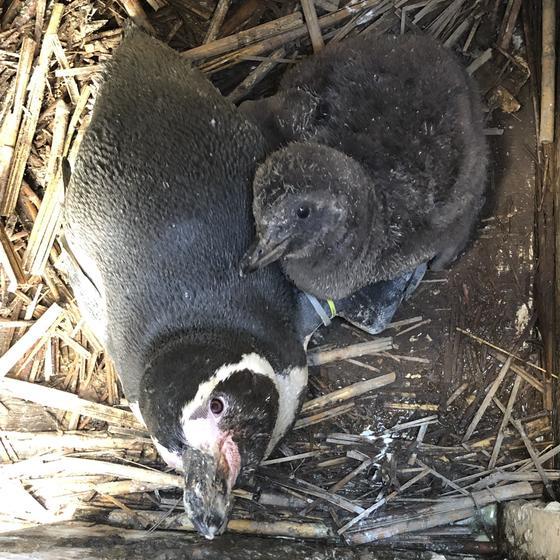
(208, 490)
(262, 252)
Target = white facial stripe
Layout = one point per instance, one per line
(289, 388)
(252, 362)
(135, 408)
(174, 460)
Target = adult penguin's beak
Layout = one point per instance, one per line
(208, 490)
(264, 251)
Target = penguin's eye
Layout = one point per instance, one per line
(216, 406)
(303, 212)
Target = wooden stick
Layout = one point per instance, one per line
(298, 457)
(322, 416)
(247, 37)
(508, 24)
(52, 316)
(352, 351)
(137, 14)
(486, 343)
(519, 371)
(291, 529)
(10, 262)
(366, 463)
(534, 457)
(548, 73)
(446, 512)
(487, 399)
(313, 490)
(55, 398)
(10, 126)
(49, 217)
(79, 109)
(505, 420)
(217, 20)
(350, 392)
(383, 501)
(31, 117)
(38, 467)
(259, 73)
(312, 25)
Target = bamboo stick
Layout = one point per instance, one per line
(49, 217)
(353, 351)
(312, 22)
(350, 392)
(548, 73)
(35, 333)
(22, 149)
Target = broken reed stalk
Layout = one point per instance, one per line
(548, 72)
(519, 371)
(137, 14)
(505, 420)
(35, 333)
(322, 416)
(350, 392)
(443, 513)
(379, 503)
(508, 25)
(258, 74)
(292, 529)
(10, 126)
(487, 399)
(246, 37)
(353, 351)
(534, 457)
(48, 219)
(38, 467)
(9, 260)
(272, 39)
(312, 22)
(31, 116)
(55, 398)
(217, 20)
(490, 345)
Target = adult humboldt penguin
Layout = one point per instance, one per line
(158, 215)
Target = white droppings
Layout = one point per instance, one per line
(522, 317)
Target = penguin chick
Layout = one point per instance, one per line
(388, 173)
(158, 214)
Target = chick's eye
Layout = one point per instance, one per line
(303, 212)
(216, 406)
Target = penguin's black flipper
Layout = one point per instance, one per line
(372, 308)
(369, 309)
